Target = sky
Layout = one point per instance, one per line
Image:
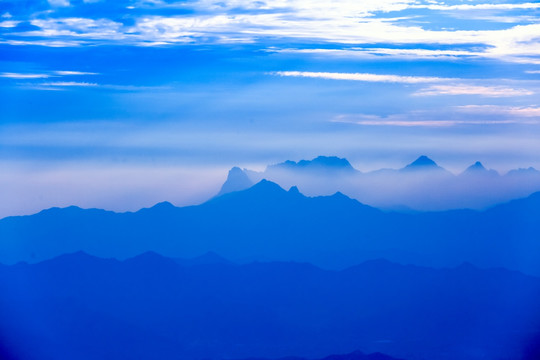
(122, 104)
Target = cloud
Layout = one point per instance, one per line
(377, 52)
(344, 22)
(10, 75)
(487, 91)
(67, 73)
(9, 24)
(69, 83)
(486, 6)
(499, 110)
(60, 3)
(362, 77)
(421, 119)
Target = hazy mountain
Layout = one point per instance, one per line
(266, 221)
(423, 163)
(236, 180)
(80, 307)
(325, 164)
(422, 185)
(477, 169)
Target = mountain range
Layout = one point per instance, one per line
(77, 306)
(268, 222)
(421, 185)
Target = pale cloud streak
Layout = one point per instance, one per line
(362, 77)
(463, 89)
(10, 75)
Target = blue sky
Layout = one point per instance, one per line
(120, 104)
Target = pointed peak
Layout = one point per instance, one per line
(478, 168)
(423, 161)
(237, 180)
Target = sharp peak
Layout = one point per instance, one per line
(423, 160)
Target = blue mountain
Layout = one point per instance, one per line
(323, 164)
(77, 306)
(423, 163)
(237, 180)
(267, 221)
(477, 169)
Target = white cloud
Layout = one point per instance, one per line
(67, 73)
(499, 110)
(533, 72)
(467, 7)
(463, 89)
(24, 76)
(9, 24)
(362, 77)
(59, 2)
(68, 83)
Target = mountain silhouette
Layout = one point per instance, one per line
(237, 180)
(478, 169)
(331, 164)
(422, 185)
(150, 306)
(266, 221)
(423, 163)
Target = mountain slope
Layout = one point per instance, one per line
(80, 307)
(270, 222)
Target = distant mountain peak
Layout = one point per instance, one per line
(237, 180)
(478, 168)
(422, 163)
(325, 163)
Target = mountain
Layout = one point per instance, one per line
(423, 163)
(237, 180)
(77, 306)
(477, 169)
(325, 164)
(266, 221)
(422, 185)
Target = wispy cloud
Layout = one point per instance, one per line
(362, 77)
(10, 75)
(68, 83)
(344, 22)
(67, 73)
(499, 110)
(487, 91)
(422, 120)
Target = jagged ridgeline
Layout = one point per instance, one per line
(422, 185)
(266, 221)
(278, 264)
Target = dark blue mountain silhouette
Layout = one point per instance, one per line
(151, 307)
(236, 180)
(269, 222)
